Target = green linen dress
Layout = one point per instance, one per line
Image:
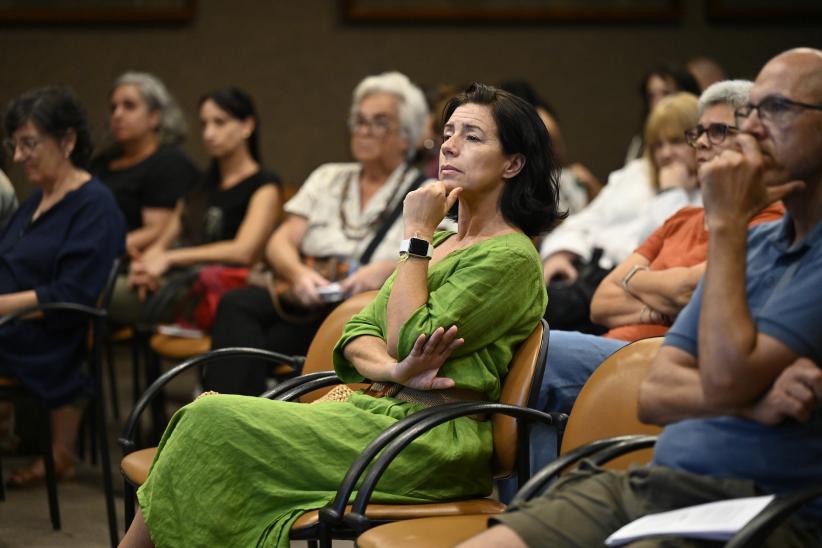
(238, 471)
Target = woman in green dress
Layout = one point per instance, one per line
(235, 470)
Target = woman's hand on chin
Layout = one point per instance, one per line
(424, 208)
(419, 369)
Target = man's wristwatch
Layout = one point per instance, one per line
(416, 247)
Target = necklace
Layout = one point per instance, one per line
(358, 233)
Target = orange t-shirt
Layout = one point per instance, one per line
(681, 241)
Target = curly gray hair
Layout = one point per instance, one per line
(172, 128)
(413, 108)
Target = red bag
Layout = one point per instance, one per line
(212, 282)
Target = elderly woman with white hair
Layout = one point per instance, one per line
(339, 238)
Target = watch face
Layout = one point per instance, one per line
(418, 247)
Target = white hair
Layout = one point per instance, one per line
(735, 93)
(172, 128)
(413, 108)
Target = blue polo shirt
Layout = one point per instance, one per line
(784, 287)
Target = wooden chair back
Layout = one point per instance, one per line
(607, 404)
(318, 357)
(521, 388)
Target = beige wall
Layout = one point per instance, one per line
(300, 61)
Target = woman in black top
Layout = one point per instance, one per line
(240, 201)
(145, 167)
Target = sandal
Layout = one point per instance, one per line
(35, 473)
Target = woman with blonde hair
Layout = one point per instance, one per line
(579, 253)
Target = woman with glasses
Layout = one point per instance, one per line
(339, 238)
(58, 247)
(581, 251)
(642, 296)
(229, 216)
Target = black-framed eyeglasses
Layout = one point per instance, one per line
(773, 108)
(379, 126)
(26, 144)
(716, 133)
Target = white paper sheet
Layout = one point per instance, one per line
(714, 520)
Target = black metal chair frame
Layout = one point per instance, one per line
(333, 521)
(752, 535)
(129, 437)
(97, 317)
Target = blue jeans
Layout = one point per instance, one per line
(572, 358)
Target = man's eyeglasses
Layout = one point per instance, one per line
(773, 108)
(379, 126)
(716, 133)
(26, 145)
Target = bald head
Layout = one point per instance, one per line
(800, 69)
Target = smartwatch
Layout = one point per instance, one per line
(416, 247)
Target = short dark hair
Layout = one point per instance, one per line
(54, 110)
(238, 104)
(529, 199)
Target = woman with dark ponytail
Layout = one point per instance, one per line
(230, 215)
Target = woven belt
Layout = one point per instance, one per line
(428, 398)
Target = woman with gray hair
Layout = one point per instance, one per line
(340, 236)
(144, 166)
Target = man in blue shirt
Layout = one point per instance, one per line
(737, 383)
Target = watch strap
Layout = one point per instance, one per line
(417, 247)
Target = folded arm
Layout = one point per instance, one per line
(417, 370)
(673, 391)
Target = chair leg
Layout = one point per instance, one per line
(128, 503)
(105, 460)
(136, 376)
(51, 475)
(136, 344)
(324, 536)
(112, 382)
(158, 405)
(95, 426)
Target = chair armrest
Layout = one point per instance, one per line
(126, 439)
(288, 385)
(333, 512)
(622, 447)
(757, 530)
(356, 518)
(45, 307)
(309, 385)
(548, 473)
